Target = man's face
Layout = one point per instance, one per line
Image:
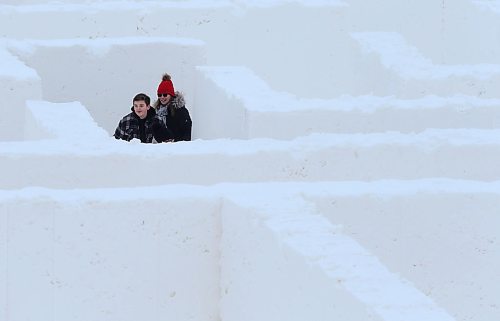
(141, 108)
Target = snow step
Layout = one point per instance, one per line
(397, 55)
(18, 82)
(256, 110)
(108, 59)
(301, 237)
(63, 121)
(419, 76)
(311, 158)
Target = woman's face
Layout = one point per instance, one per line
(141, 109)
(164, 98)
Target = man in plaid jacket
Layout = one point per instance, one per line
(142, 123)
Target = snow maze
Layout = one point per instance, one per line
(344, 162)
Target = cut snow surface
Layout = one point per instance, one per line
(376, 204)
(98, 46)
(111, 5)
(69, 121)
(11, 67)
(493, 5)
(397, 55)
(97, 6)
(241, 83)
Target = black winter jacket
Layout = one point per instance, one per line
(176, 117)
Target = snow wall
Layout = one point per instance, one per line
(334, 172)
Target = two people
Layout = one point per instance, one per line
(167, 121)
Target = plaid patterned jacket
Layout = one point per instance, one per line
(128, 128)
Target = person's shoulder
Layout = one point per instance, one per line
(179, 101)
(129, 117)
(183, 109)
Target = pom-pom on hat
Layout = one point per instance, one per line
(166, 86)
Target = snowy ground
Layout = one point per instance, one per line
(343, 167)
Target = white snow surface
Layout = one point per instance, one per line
(286, 242)
(257, 95)
(407, 61)
(12, 67)
(111, 5)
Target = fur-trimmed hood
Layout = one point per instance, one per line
(178, 100)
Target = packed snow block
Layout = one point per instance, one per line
(17, 84)
(371, 114)
(365, 115)
(85, 164)
(14, 94)
(439, 234)
(280, 115)
(105, 257)
(219, 112)
(444, 32)
(106, 73)
(20, 2)
(261, 276)
(111, 18)
(319, 60)
(66, 121)
(4, 272)
(419, 76)
(34, 2)
(358, 280)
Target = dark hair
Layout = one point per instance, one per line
(143, 97)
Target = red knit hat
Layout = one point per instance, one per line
(166, 86)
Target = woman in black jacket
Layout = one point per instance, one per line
(171, 109)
